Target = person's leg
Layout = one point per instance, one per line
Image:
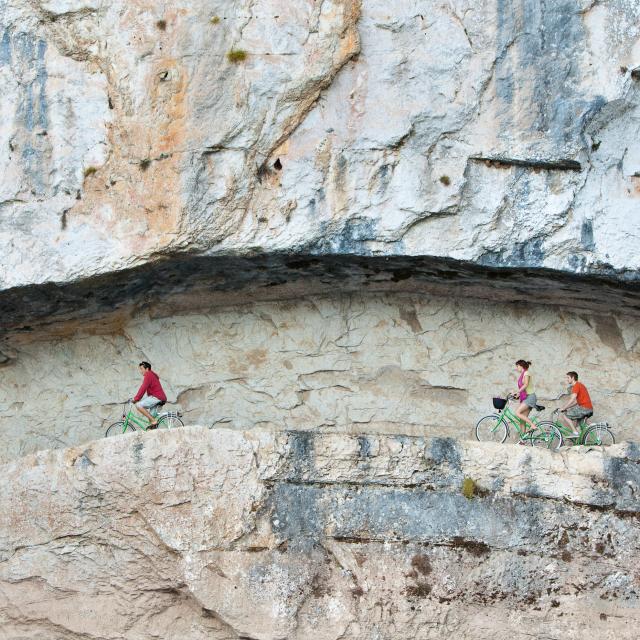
(144, 406)
(569, 421)
(523, 412)
(144, 412)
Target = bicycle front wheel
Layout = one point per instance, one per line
(599, 435)
(491, 429)
(117, 429)
(546, 435)
(170, 422)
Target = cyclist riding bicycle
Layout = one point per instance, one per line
(155, 394)
(525, 394)
(578, 405)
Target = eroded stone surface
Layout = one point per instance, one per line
(217, 533)
(351, 128)
(356, 363)
(133, 133)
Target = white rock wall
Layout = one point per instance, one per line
(350, 128)
(354, 363)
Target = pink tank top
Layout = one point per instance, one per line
(523, 394)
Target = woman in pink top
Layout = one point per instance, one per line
(525, 393)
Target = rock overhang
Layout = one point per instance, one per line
(195, 282)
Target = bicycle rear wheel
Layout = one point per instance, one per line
(546, 435)
(117, 429)
(599, 435)
(170, 422)
(491, 429)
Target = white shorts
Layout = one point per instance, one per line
(148, 402)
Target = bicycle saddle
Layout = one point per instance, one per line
(162, 403)
(588, 415)
(539, 407)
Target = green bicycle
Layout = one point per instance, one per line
(597, 433)
(132, 420)
(496, 427)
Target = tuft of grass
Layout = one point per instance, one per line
(446, 180)
(237, 55)
(162, 25)
(469, 488)
(89, 171)
(214, 20)
(145, 164)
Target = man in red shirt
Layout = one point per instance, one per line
(155, 394)
(578, 405)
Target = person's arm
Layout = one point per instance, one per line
(572, 401)
(143, 387)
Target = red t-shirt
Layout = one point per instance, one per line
(582, 395)
(151, 385)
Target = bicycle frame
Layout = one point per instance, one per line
(567, 432)
(508, 417)
(132, 415)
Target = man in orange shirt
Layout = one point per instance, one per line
(578, 405)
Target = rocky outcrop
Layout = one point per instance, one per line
(499, 136)
(219, 534)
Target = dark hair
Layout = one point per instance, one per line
(573, 375)
(146, 365)
(525, 364)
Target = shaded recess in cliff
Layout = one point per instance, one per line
(185, 282)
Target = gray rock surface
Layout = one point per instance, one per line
(219, 534)
(500, 133)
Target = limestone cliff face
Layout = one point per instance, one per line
(294, 239)
(318, 219)
(217, 534)
(496, 133)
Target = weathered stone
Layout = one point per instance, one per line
(221, 534)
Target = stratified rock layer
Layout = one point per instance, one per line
(220, 534)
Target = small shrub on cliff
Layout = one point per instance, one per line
(145, 164)
(469, 488)
(162, 25)
(215, 20)
(237, 55)
(89, 171)
(446, 180)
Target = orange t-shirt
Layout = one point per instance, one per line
(582, 395)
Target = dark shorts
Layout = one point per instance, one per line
(577, 412)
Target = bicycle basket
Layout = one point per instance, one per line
(499, 403)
